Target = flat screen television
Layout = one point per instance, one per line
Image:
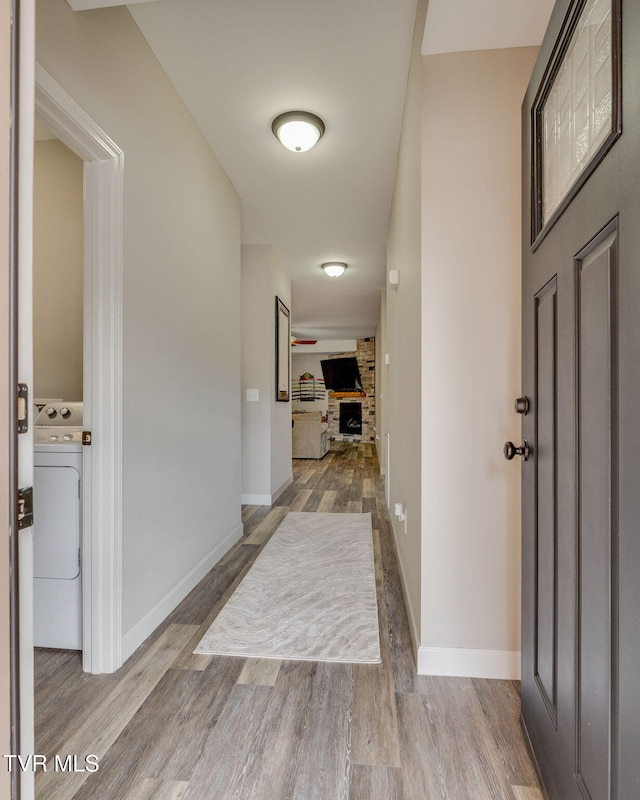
(341, 374)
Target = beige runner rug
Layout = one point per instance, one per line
(310, 595)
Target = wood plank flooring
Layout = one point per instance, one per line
(173, 726)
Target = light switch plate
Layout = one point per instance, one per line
(253, 395)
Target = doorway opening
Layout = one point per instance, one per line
(57, 392)
(102, 369)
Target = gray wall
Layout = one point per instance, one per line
(181, 449)
(266, 424)
(454, 237)
(471, 358)
(382, 349)
(403, 408)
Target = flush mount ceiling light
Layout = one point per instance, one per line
(298, 130)
(334, 269)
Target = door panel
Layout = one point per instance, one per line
(581, 486)
(546, 493)
(596, 325)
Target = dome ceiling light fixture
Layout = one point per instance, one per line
(298, 131)
(334, 269)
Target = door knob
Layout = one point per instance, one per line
(511, 451)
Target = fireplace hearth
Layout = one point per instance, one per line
(351, 419)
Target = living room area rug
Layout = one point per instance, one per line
(310, 595)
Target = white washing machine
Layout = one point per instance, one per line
(57, 498)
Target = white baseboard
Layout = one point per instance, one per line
(255, 499)
(413, 630)
(456, 661)
(265, 499)
(134, 637)
(287, 482)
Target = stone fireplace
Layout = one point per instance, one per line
(354, 406)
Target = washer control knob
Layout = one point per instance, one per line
(52, 413)
(65, 413)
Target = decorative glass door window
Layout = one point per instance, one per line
(577, 114)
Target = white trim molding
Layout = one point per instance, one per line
(459, 662)
(255, 499)
(23, 130)
(411, 617)
(275, 495)
(265, 499)
(102, 511)
(147, 625)
(85, 5)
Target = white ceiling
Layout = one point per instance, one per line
(239, 63)
(456, 25)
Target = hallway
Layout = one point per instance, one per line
(171, 725)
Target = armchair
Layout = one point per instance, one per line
(310, 436)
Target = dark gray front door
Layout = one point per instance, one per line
(581, 373)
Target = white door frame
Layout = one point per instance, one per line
(102, 357)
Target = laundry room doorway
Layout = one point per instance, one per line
(101, 163)
(58, 257)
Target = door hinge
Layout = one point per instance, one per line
(25, 508)
(23, 408)
(86, 438)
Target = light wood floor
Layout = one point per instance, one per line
(171, 725)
